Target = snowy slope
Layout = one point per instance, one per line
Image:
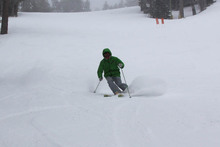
(48, 65)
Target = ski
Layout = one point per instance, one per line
(120, 95)
(109, 95)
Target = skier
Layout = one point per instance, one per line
(110, 65)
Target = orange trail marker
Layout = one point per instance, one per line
(157, 21)
(162, 20)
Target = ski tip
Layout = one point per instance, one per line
(120, 95)
(107, 95)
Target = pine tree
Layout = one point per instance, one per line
(202, 4)
(26, 6)
(72, 5)
(78, 5)
(35, 6)
(121, 4)
(1, 4)
(56, 6)
(87, 6)
(143, 5)
(131, 3)
(209, 2)
(160, 9)
(42, 6)
(193, 7)
(4, 26)
(106, 6)
(181, 9)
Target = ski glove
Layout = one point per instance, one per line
(120, 65)
(100, 79)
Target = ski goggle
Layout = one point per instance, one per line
(106, 54)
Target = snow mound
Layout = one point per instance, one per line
(145, 86)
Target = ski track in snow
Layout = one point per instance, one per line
(45, 134)
(127, 122)
(36, 110)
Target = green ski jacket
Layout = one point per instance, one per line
(109, 66)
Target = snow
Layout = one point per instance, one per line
(48, 65)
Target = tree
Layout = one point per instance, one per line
(13, 7)
(78, 5)
(209, 2)
(193, 7)
(106, 6)
(131, 3)
(71, 5)
(5, 8)
(86, 7)
(202, 4)
(181, 9)
(160, 9)
(143, 5)
(35, 6)
(1, 4)
(26, 6)
(121, 4)
(42, 6)
(56, 6)
(149, 5)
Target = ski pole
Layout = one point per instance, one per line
(97, 87)
(126, 83)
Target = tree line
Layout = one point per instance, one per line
(163, 8)
(58, 6)
(69, 5)
(45, 6)
(121, 4)
(11, 7)
(55, 6)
